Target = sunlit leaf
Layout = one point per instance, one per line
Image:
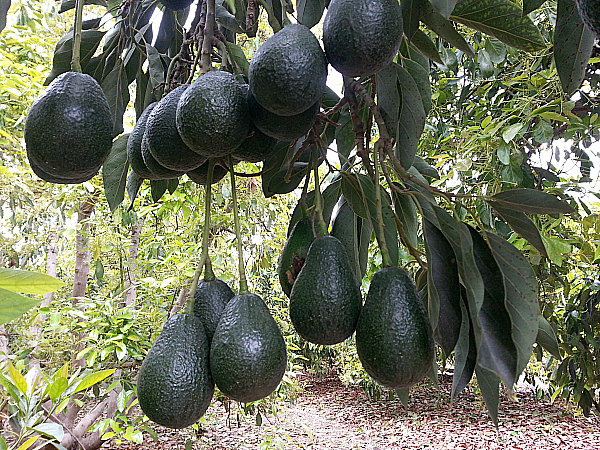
(531, 5)
(546, 337)
(28, 282)
(114, 172)
(445, 29)
(92, 378)
(13, 305)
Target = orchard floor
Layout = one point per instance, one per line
(327, 415)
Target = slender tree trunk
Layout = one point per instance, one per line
(130, 285)
(83, 256)
(51, 263)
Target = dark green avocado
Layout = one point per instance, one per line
(174, 385)
(288, 72)
(69, 129)
(164, 141)
(248, 354)
(255, 148)
(394, 340)
(177, 5)
(134, 145)
(212, 115)
(209, 302)
(52, 179)
(158, 171)
(282, 128)
(294, 253)
(200, 174)
(361, 37)
(325, 300)
(589, 10)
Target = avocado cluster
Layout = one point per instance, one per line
(229, 340)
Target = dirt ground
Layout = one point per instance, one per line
(327, 415)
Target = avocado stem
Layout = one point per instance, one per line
(321, 229)
(205, 258)
(236, 221)
(207, 41)
(76, 57)
(380, 234)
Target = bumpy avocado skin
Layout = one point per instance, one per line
(209, 302)
(200, 174)
(282, 128)
(287, 74)
(212, 115)
(164, 141)
(134, 145)
(325, 300)
(589, 10)
(248, 354)
(174, 385)
(298, 243)
(394, 340)
(361, 37)
(177, 5)
(69, 128)
(158, 171)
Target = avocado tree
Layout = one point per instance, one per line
(399, 135)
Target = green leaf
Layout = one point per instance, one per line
(309, 12)
(421, 78)
(11, 388)
(497, 351)
(330, 196)
(344, 135)
(426, 46)
(412, 11)
(442, 284)
(411, 120)
(67, 5)
(156, 70)
(3, 444)
(114, 172)
(239, 57)
(511, 132)
(172, 185)
(116, 89)
(522, 224)
(53, 430)
(445, 7)
(17, 379)
(532, 201)
(354, 233)
(489, 384)
(465, 353)
(92, 378)
(496, 50)
(57, 388)
(502, 19)
(403, 395)
(573, 43)
(158, 189)
(543, 132)
(546, 337)
(359, 192)
(556, 249)
(63, 53)
(445, 29)
(425, 169)
(133, 187)
(227, 20)
(389, 96)
(28, 282)
(531, 5)
(406, 211)
(521, 296)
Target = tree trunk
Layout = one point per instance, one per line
(51, 263)
(130, 285)
(3, 345)
(83, 257)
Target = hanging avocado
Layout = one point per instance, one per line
(210, 300)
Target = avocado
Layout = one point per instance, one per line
(209, 302)
(325, 300)
(255, 148)
(212, 115)
(282, 128)
(589, 10)
(200, 174)
(294, 253)
(69, 129)
(164, 141)
(174, 385)
(394, 340)
(248, 354)
(177, 5)
(158, 170)
(134, 145)
(361, 37)
(52, 179)
(288, 72)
